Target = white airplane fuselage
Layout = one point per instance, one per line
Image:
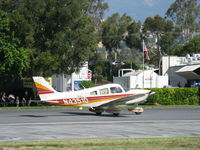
(109, 95)
(84, 98)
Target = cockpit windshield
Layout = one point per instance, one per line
(116, 90)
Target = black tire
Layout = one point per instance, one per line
(116, 114)
(98, 113)
(138, 113)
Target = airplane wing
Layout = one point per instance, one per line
(122, 101)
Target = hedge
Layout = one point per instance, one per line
(175, 96)
(86, 84)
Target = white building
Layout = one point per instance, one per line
(170, 61)
(63, 82)
(140, 79)
(182, 71)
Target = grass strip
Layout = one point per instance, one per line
(176, 143)
(36, 107)
(170, 106)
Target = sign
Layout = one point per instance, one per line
(149, 78)
(27, 82)
(198, 83)
(89, 76)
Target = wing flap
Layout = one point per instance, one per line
(122, 101)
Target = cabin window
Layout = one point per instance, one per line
(116, 90)
(104, 91)
(93, 93)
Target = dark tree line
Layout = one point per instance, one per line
(59, 35)
(43, 37)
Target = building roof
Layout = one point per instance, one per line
(189, 72)
(136, 73)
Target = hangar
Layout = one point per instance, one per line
(191, 72)
(182, 71)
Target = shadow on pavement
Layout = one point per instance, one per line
(91, 114)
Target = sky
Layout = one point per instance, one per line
(139, 10)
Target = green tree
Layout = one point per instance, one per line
(96, 10)
(131, 64)
(162, 33)
(113, 32)
(59, 34)
(166, 42)
(86, 84)
(13, 59)
(190, 47)
(184, 13)
(133, 39)
(99, 66)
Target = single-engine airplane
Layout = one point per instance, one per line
(98, 99)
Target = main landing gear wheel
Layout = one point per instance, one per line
(115, 114)
(98, 113)
(96, 110)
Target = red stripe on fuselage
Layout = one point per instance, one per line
(108, 96)
(96, 98)
(48, 92)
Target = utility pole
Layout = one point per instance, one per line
(143, 62)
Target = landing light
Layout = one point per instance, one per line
(80, 108)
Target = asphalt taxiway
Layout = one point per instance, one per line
(54, 124)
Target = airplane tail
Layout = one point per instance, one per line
(43, 87)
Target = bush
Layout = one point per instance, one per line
(86, 84)
(174, 96)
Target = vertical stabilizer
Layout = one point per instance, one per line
(43, 87)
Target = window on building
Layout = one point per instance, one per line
(104, 91)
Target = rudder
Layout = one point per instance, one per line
(43, 87)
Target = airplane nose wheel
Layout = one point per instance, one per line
(137, 110)
(138, 113)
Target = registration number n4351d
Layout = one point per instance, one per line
(75, 100)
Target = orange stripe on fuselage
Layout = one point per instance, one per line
(109, 96)
(92, 99)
